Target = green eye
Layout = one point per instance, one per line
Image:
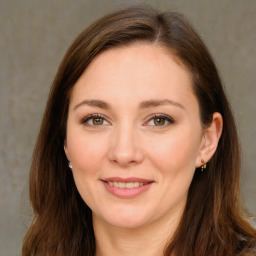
(94, 120)
(159, 121)
(97, 121)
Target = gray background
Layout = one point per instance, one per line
(34, 37)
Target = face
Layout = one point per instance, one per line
(134, 136)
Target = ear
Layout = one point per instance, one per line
(66, 149)
(210, 139)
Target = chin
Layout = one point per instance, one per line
(126, 219)
(131, 223)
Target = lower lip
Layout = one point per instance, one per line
(127, 192)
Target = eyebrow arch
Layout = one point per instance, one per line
(156, 103)
(93, 103)
(144, 104)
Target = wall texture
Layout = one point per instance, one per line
(34, 38)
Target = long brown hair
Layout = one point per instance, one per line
(213, 221)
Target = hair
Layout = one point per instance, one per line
(213, 222)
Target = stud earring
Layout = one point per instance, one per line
(203, 166)
(70, 165)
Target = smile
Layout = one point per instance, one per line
(126, 184)
(127, 187)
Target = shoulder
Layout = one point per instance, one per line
(245, 250)
(247, 244)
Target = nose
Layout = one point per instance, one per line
(125, 149)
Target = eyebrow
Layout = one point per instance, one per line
(156, 103)
(143, 105)
(93, 103)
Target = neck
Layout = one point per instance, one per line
(148, 240)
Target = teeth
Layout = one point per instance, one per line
(121, 184)
(125, 184)
(129, 185)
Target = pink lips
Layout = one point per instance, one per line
(127, 187)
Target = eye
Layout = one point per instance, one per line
(95, 120)
(160, 120)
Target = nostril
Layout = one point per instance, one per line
(126, 157)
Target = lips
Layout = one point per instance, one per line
(127, 187)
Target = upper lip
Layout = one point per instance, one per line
(129, 179)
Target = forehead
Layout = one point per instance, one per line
(134, 72)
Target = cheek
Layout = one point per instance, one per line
(86, 152)
(175, 152)
(174, 157)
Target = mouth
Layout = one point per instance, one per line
(126, 184)
(127, 187)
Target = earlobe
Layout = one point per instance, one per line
(210, 139)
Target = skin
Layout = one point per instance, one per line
(128, 140)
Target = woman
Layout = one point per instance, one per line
(138, 151)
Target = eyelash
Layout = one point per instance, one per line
(164, 117)
(92, 117)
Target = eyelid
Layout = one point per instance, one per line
(168, 118)
(91, 116)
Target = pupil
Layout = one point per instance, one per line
(159, 121)
(97, 121)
